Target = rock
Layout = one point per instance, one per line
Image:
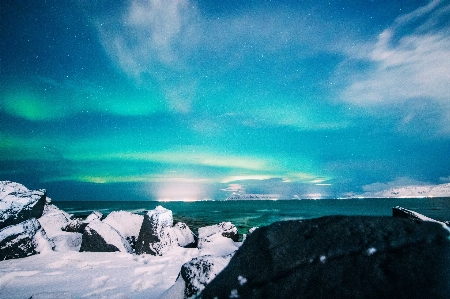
(75, 226)
(101, 237)
(408, 214)
(198, 272)
(18, 204)
(156, 233)
(339, 257)
(54, 221)
(184, 236)
(127, 224)
(250, 231)
(96, 215)
(224, 232)
(22, 240)
(78, 225)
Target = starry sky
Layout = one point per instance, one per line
(196, 99)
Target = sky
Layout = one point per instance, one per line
(200, 99)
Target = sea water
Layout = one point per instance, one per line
(246, 214)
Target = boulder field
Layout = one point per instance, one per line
(404, 256)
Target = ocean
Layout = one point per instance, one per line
(246, 214)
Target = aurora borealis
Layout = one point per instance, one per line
(185, 99)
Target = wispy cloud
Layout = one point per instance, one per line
(408, 67)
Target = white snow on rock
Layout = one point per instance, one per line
(26, 229)
(126, 223)
(93, 216)
(218, 245)
(156, 235)
(195, 275)
(15, 197)
(109, 234)
(216, 238)
(183, 234)
(54, 221)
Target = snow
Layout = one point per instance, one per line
(93, 216)
(126, 223)
(109, 234)
(92, 274)
(14, 197)
(26, 229)
(218, 245)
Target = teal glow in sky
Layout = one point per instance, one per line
(184, 99)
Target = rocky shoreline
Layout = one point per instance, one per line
(405, 256)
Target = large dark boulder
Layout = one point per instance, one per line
(101, 237)
(339, 257)
(22, 240)
(156, 235)
(18, 204)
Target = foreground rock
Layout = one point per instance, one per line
(400, 212)
(22, 240)
(223, 229)
(18, 204)
(156, 233)
(101, 237)
(339, 257)
(127, 224)
(54, 221)
(195, 275)
(184, 236)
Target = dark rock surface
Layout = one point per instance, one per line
(156, 233)
(101, 237)
(339, 257)
(18, 204)
(17, 241)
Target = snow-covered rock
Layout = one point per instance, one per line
(400, 212)
(156, 235)
(196, 274)
(18, 204)
(183, 235)
(22, 240)
(101, 237)
(78, 225)
(225, 230)
(96, 215)
(127, 224)
(54, 221)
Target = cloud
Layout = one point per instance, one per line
(408, 64)
(150, 42)
(397, 183)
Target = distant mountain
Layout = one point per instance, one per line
(442, 190)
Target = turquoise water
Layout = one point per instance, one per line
(248, 214)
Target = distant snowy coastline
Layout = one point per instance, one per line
(420, 191)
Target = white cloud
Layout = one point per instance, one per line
(406, 68)
(397, 183)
